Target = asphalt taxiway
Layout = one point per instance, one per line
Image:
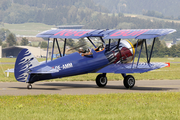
(87, 87)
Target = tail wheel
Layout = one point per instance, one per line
(101, 80)
(129, 81)
(29, 86)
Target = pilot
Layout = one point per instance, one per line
(83, 52)
(100, 48)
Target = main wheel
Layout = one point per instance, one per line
(129, 81)
(101, 80)
(29, 86)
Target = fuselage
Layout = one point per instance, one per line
(76, 64)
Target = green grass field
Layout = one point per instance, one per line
(29, 29)
(135, 106)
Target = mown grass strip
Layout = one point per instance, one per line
(27, 28)
(109, 106)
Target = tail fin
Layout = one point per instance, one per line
(24, 62)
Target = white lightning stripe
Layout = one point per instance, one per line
(26, 63)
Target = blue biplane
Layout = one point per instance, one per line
(110, 57)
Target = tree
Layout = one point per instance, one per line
(4, 45)
(173, 51)
(11, 39)
(24, 41)
(120, 14)
(4, 4)
(4, 33)
(44, 44)
(39, 44)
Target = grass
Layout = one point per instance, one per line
(29, 29)
(136, 106)
(2, 60)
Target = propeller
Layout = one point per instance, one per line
(76, 47)
(139, 41)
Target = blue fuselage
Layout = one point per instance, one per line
(73, 64)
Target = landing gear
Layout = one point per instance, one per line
(101, 80)
(129, 81)
(29, 86)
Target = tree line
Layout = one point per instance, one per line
(46, 11)
(157, 14)
(160, 50)
(168, 8)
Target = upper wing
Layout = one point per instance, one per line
(107, 34)
(128, 68)
(138, 33)
(65, 33)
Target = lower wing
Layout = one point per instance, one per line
(132, 68)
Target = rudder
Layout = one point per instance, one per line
(24, 62)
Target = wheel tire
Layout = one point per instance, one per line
(129, 81)
(29, 86)
(101, 80)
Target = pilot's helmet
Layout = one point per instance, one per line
(80, 49)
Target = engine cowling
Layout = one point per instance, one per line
(124, 54)
(127, 51)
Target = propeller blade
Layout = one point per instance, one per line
(140, 41)
(76, 47)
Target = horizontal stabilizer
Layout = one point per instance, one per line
(10, 70)
(128, 68)
(44, 70)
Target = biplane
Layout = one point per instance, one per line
(110, 57)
